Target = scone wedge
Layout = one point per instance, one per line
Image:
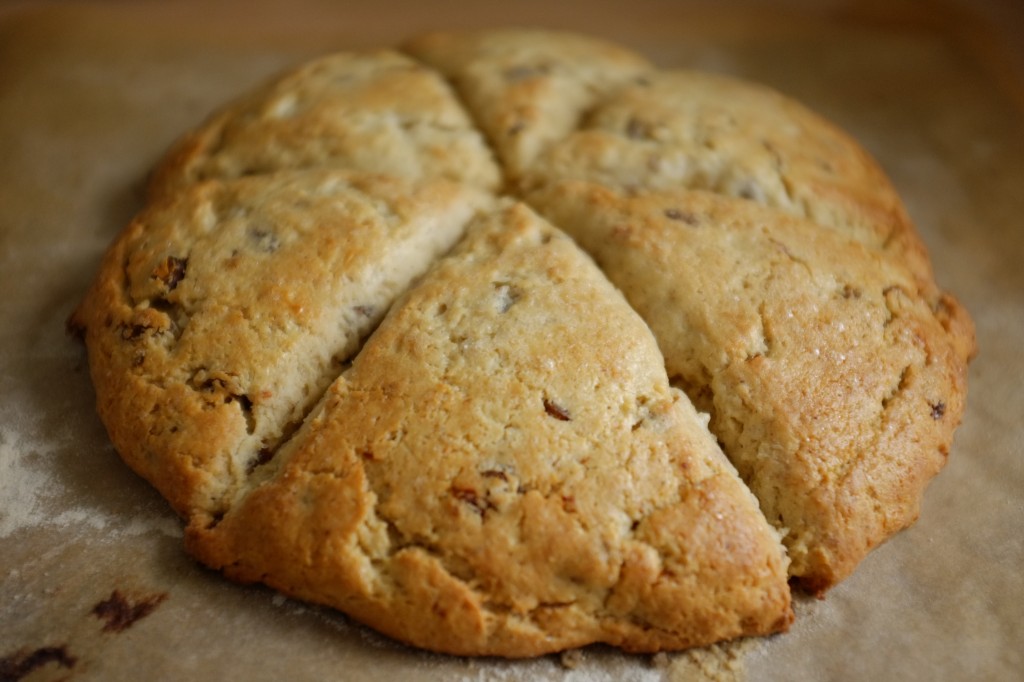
(527, 89)
(834, 382)
(221, 313)
(376, 111)
(690, 130)
(505, 470)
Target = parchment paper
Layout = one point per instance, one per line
(95, 583)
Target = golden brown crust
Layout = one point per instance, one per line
(378, 112)
(527, 89)
(833, 383)
(681, 129)
(222, 313)
(504, 469)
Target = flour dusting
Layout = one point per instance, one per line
(33, 495)
(22, 481)
(722, 663)
(630, 669)
(717, 663)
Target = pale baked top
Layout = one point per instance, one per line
(505, 470)
(366, 379)
(223, 312)
(380, 112)
(670, 129)
(527, 89)
(826, 372)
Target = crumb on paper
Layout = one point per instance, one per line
(660, 660)
(716, 663)
(571, 659)
(20, 664)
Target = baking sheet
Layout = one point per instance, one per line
(95, 583)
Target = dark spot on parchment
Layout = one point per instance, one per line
(21, 663)
(120, 613)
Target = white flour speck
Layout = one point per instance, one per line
(32, 496)
(21, 483)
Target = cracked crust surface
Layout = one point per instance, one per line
(469, 484)
(221, 314)
(541, 487)
(681, 129)
(527, 89)
(378, 112)
(833, 383)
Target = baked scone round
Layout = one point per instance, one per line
(508, 342)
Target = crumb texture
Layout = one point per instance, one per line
(507, 343)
